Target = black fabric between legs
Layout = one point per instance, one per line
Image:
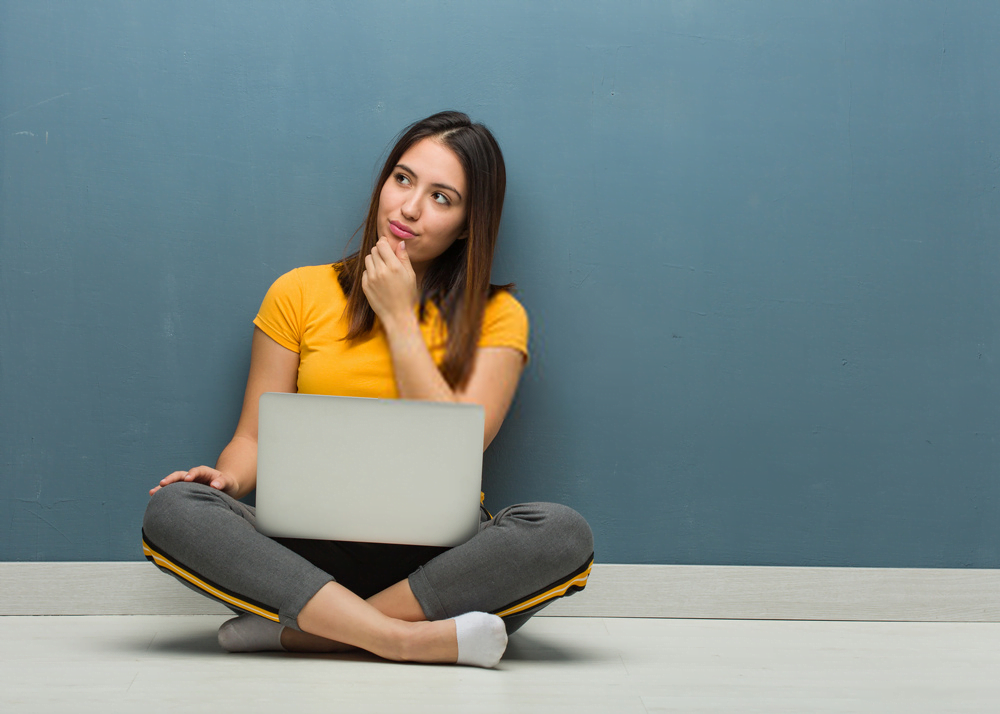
(363, 568)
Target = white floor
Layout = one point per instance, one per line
(152, 664)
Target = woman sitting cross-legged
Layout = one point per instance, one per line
(411, 315)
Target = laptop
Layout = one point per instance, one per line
(368, 470)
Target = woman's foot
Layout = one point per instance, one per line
(482, 639)
(477, 639)
(249, 633)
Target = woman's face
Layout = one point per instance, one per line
(423, 202)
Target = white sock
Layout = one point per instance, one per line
(249, 633)
(482, 638)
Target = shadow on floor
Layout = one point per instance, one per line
(186, 643)
(206, 643)
(524, 647)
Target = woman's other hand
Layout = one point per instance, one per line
(389, 282)
(201, 474)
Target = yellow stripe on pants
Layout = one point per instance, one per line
(557, 591)
(163, 562)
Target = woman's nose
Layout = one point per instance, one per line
(411, 208)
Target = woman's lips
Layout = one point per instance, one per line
(400, 230)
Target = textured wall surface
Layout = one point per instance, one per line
(758, 243)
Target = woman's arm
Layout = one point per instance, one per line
(390, 286)
(495, 374)
(273, 368)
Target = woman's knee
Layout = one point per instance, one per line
(569, 528)
(558, 533)
(171, 507)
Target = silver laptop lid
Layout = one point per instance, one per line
(372, 470)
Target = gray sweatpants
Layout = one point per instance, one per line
(522, 559)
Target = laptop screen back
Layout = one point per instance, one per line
(370, 470)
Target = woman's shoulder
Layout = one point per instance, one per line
(321, 275)
(311, 280)
(505, 321)
(503, 303)
(298, 294)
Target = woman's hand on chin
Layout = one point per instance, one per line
(389, 282)
(201, 474)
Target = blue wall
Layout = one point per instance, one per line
(758, 243)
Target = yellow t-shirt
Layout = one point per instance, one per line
(304, 311)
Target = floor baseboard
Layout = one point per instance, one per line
(670, 591)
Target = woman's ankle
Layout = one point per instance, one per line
(432, 642)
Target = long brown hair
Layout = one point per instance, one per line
(458, 281)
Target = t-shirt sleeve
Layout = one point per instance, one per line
(280, 315)
(505, 323)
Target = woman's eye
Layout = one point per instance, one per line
(441, 198)
(402, 179)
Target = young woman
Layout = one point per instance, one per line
(411, 315)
